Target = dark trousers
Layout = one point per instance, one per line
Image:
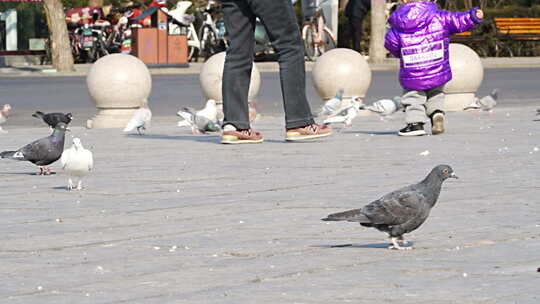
(356, 26)
(279, 19)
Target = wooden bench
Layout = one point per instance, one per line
(517, 29)
(472, 39)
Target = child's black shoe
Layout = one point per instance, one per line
(413, 129)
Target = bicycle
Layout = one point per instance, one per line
(318, 38)
(212, 33)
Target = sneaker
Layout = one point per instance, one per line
(308, 132)
(413, 129)
(437, 123)
(241, 137)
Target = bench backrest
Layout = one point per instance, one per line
(518, 26)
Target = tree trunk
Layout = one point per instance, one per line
(377, 52)
(95, 3)
(62, 59)
(343, 4)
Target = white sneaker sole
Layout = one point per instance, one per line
(413, 133)
(305, 137)
(233, 140)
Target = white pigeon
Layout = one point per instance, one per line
(333, 105)
(210, 110)
(77, 162)
(486, 103)
(346, 116)
(141, 118)
(384, 107)
(4, 114)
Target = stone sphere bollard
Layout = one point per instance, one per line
(341, 68)
(211, 78)
(117, 84)
(468, 73)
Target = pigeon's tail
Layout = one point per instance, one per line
(38, 114)
(12, 155)
(354, 215)
(188, 110)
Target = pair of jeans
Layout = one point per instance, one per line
(356, 27)
(421, 104)
(279, 20)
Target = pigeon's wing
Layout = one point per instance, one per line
(90, 158)
(64, 159)
(52, 119)
(201, 122)
(331, 106)
(188, 110)
(335, 119)
(187, 114)
(137, 120)
(396, 207)
(37, 150)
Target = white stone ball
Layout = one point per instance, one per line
(119, 81)
(341, 68)
(211, 78)
(467, 70)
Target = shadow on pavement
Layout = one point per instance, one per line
(371, 132)
(198, 138)
(369, 246)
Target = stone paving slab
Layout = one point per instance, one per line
(174, 218)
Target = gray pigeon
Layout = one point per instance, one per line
(486, 103)
(401, 211)
(384, 107)
(41, 152)
(198, 123)
(333, 105)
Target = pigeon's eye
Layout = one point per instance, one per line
(445, 171)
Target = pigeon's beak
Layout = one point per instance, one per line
(453, 175)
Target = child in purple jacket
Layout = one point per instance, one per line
(420, 37)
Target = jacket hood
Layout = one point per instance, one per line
(413, 16)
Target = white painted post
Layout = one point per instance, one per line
(11, 30)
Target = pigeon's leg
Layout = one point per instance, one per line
(40, 170)
(70, 184)
(47, 170)
(402, 241)
(396, 245)
(79, 185)
(139, 130)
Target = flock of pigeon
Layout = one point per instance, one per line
(336, 111)
(396, 213)
(200, 122)
(76, 161)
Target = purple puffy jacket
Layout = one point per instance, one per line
(420, 37)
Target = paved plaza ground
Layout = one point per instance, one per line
(174, 218)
